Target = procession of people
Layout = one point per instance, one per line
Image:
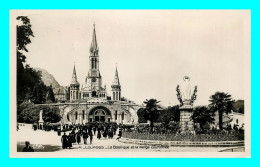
(82, 134)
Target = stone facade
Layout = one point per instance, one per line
(90, 103)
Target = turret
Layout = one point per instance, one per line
(74, 86)
(116, 88)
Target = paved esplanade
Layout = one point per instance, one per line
(26, 133)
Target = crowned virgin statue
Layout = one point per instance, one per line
(186, 91)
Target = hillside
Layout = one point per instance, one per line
(48, 78)
(239, 106)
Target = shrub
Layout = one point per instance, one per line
(30, 114)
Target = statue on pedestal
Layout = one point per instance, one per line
(186, 102)
(186, 93)
(40, 122)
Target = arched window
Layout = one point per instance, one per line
(119, 96)
(83, 113)
(92, 63)
(113, 95)
(73, 95)
(116, 95)
(76, 115)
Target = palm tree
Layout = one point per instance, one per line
(222, 103)
(203, 116)
(151, 111)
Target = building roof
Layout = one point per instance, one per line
(59, 91)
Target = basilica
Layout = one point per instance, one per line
(90, 102)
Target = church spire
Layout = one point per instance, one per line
(116, 87)
(116, 78)
(94, 45)
(74, 76)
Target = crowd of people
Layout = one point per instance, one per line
(83, 134)
(79, 134)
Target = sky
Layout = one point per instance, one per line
(153, 49)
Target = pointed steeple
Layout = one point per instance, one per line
(74, 77)
(116, 79)
(116, 88)
(94, 45)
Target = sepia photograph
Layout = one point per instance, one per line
(130, 83)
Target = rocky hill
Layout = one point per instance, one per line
(48, 78)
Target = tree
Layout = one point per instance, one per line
(30, 114)
(50, 95)
(169, 114)
(222, 103)
(140, 114)
(29, 83)
(151, 111)
(39, 93)
(203, 116)
(24, 33)
(51, 114)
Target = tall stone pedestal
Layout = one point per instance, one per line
(186, 123)
(40, 122)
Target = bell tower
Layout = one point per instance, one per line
(93, 82)
(116, 88)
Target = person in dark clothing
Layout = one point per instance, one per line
(98, 134)
(73, 136)
(114, 130)
(85, 136)
(105, 133)
(78, 138)
(120, 133)
(34, 127)
(70, 140)
(90, 136)
(27, 147)
(64, 141)
(110, 133)
(94, 129)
